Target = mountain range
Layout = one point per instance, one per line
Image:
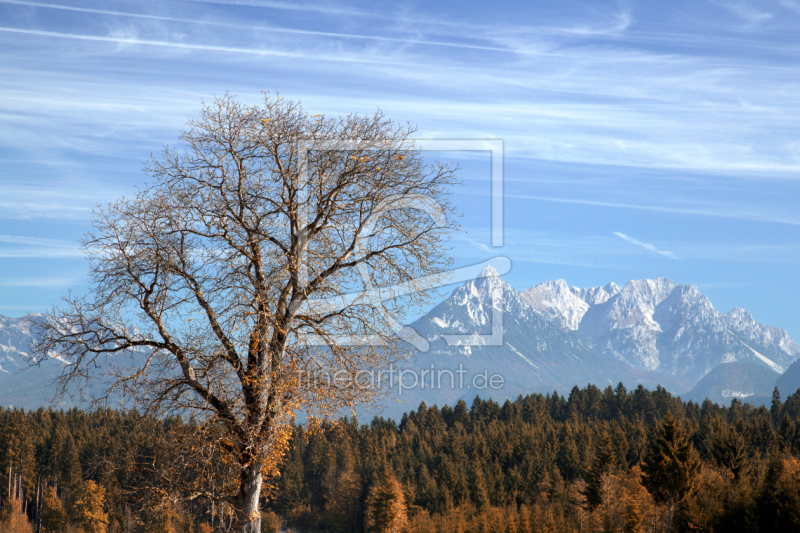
(651, 332)
(21, 383)
(663, 326)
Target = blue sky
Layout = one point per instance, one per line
(642, 139)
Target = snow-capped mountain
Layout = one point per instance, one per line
(15, 337)
(537, 352)
(21, 384)
(653, 332)
(663, 326)
(556, 299)
(649, 332)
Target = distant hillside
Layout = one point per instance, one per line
(789, 382)
(745, 381)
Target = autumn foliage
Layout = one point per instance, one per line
(543, 463)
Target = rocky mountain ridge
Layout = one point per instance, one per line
(649, 332)
(663, 326)
(15, 338)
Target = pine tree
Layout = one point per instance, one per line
(54, 517)
(633, 518)
(671, 465)
(576, 494)
(86, 508)
(386, 506)
(605, 460)
(729, 451)
(775, 408)
(569, 457)
(70, 464)
(344, 506)
(478, 486)
(427, 493)
(621, 395)
(608, 404)
(778, 505)
(460, 414)
(512, 520)
(525, 520)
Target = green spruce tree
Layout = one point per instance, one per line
(671, 465)
(386, 506)
(604, 462)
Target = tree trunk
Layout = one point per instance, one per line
(248, 513)
(669, 517)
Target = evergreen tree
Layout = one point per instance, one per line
(778, 504)
(86, 509)
(54, 517)
(386, 506)
(344, 507)
(479, 489)
(621, 396)
(604, 462)
(729, 451)
(460, 414)
(671, 464)
(633, 518)
(776, 406)
(608, 404)
(70, 464)
(439, 462)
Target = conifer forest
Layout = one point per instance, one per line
(595, 461)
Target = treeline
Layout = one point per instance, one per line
(597, 460)
(81, 472)
(548, 463)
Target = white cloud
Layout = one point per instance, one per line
(34, 247)
(744, 11)
(272, 29)
(36, 241)
(733, 212)
(646, 246)
(45, 282)
(120, 39)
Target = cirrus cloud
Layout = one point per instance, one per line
(645, 245)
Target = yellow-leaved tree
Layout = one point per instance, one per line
(87, 508)
(13, 521)
(54, 517)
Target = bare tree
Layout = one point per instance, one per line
(258, 276)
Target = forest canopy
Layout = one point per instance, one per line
(540, 463)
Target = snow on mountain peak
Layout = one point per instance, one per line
(740, 315)
(596, 295)
(487, 271)
(649, 292)
(657, 324)
(556, 299)
(15, 339)
(484, 292)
